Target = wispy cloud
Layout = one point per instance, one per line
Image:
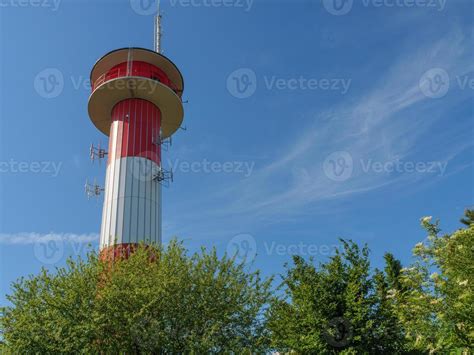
(32, 238)
(389, 122)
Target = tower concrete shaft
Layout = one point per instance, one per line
(132, 203)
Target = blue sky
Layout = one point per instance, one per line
(306, 121)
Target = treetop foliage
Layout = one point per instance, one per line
(157, 301)
(163, 300)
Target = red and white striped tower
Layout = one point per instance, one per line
(136, 101)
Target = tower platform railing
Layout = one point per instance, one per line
(140, 69)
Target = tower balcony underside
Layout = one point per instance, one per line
(108, 94)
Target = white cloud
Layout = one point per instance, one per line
(386, 124)
(390, 120)
(32, 238)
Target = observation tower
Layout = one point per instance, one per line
(135, 101)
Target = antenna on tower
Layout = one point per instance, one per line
(165, 143)
(162, 176)
(158, 30)
(97, 153)
(93, 190)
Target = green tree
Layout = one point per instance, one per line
(338, 308)
(388, 328)
(468, 218)
(156, 301)
(436, 304)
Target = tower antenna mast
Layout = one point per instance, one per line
(158, 31)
